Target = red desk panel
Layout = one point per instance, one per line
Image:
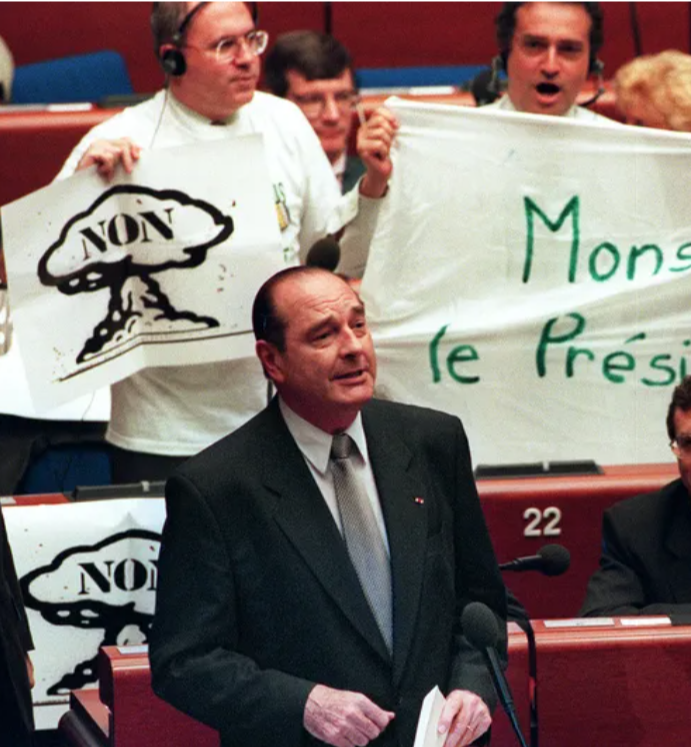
(517, 677)
(86, 724)
(36, 499)
(137, 716)
(615, 686)
(34, 144)
(124, 712)
(523, 514)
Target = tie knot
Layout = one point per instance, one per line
(342, 446)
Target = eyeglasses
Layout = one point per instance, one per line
(681, 446)
(228, 50)
(313, 104)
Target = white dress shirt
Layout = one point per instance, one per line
(315, 445)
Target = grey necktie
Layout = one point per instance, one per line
(362, 536)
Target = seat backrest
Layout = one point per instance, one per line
(407, 77)
(85, 77)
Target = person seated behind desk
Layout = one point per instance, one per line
(315, 71)
(645, 567)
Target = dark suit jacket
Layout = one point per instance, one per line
(16, 715)
(257, 599)
(646, 556)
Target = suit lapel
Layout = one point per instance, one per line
(402, 494)
(677, 543)
(305, 519)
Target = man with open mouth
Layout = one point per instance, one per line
(548, 50)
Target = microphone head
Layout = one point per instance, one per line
(556, 559)
(480, 625)
(324, 253)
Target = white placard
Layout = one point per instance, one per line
(533, 276)
(88, 573)
(157, 268)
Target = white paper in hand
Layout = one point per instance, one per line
(426, 734)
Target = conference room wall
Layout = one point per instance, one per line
(378, 34)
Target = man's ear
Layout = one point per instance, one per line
(271, 359)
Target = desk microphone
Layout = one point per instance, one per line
(552, 560)
(324, 253)
(480, 628)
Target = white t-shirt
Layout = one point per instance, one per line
(575, 112)
(179, 410)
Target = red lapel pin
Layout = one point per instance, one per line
(420, 501)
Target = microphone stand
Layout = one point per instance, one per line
(526, 626)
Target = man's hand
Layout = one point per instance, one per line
(343, 718)
(107, 154)
(374, 140)
(465, 717)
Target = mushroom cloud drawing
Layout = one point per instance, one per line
(131, 233)
(110, 586)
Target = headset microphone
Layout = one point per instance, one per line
(173, 60)
(597, 69)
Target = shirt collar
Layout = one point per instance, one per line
(314, 443)
(339, 166)
(193, 117)
(507, 105)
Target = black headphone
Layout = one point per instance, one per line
(595, 65)
(173, 60)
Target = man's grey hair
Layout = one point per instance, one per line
(165, 22)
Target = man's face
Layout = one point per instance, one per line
(210, 87)
(549, 57)
(327, 370)
(682, 433)
(327, 105)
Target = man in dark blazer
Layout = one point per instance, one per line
(262, 628)
(16, 671)
(645, 566)
(315, 71)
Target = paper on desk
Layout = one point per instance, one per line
(426, 734)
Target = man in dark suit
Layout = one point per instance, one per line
(314, 71)
(16, 671)
(266, 629)
(645, 566)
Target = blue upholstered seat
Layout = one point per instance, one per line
(85, 77)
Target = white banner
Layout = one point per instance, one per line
(533, 276)
(88, 573)
(157, 268)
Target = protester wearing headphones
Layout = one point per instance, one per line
(548, 50)
(210, 53)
